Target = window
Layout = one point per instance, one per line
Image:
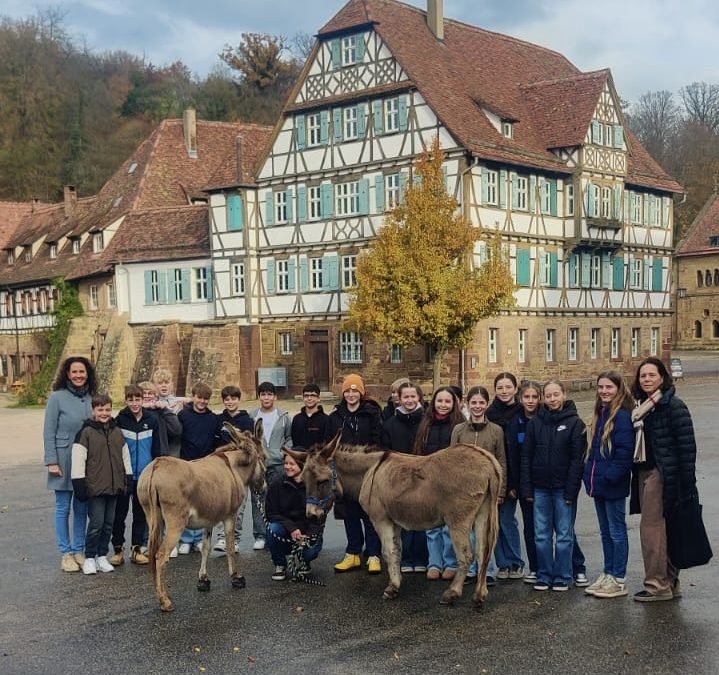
(396, 354)
(715, 329)
(606, 202)
(201, 282)
(177, 285)
(713, 241)
(546, 197)
(349, 50)
(608, 135)
(285, 344)
(237, 274)
(97, 242)
(492, 182)
(349, 123)
(654, 342)
(700, 277)
(616, 343)
(636, 273)
(347, 198)
(521, 196)
(75, 246)
(94, 304)
(522, 345)
(350, 347)
(155, 287)
(507, 130)
(636, 207)
(492, 339)
(596, 271)
(315, 274)
(349, 271)
(111, 295)
(707, 278)
(545, 268)
(280, 207)
(570, 199)
(314, 201)
(391, 190)
(574, 270)
(28, 254)
(391, 114)
(314, 125)
(53, 251)
(283, 275)
(716, 277)
(697, 329)
(636, 342)
(595, 203)
(595, 343)
(549, 344)
(572, 343)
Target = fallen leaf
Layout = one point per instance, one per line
(236, 649)
(252, 659)
(298, 610)
(395, 656)
(627, 652)
(196, 649)
(202, 669)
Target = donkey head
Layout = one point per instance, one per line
(250, 445)
(320, 479)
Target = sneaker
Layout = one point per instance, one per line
(184, 548)
(433, 574)
(503, 573)
(220, 545)
(593, 588)
(541, 586)
(530, 577)
(374, 564)
(560, 587)
(197, 547)
(449, 574)
(646, 596)
(351, 561)
(406, 569)
(174, 552)
(138, 557)
(89, 567)
(279, 574)
(79, 558)
(69, 564)
(472, 579)
(516, 572)
(612, 588)
(258, 545)
(420, 568)
(103, 564)
(491, 581)
(580, 580)
(118, 557)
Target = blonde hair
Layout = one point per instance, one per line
(623, 399)
(147, 386)
(161, 375)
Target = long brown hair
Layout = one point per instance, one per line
(623, 399)
(455, 417)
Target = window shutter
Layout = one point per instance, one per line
(289, 201)
(532, 194)
(553, 197)
(171, 287)
(590, 199)
(485, 185)
(324, 127)
(292, 275)
(330, 272)
(513, 180)
(335, 61)
(327, 200)
(364, 197)
(378, 113)
(208, 276)
(269, 208)
(573, 270)
(618, 263)
(596, 132)
(362, 112)
(606, 270)
(657, 274)
(302, 204)
(148, 288)
(162, 283)
(585, 280)
(304, 274)
(618, 136)
(185, 285)
(379, 193)
(618, 202)
(271, 275)
(403, 113)
(523, 267)
(337, 123)
(553, 269)
(301, 132)
(503, 188)
(647, 280)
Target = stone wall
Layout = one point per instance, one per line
(697, 304)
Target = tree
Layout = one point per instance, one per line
(701, 102)
(415, 284)
(655, 120)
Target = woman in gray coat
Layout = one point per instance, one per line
(68, 407)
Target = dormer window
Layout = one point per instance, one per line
(349, 50)
(507, 130)
(132, 167)
(714, 241)
(28, 254)
(117, 202)
(11, 257)
(97, 242)
(75, 246)
(53, 251)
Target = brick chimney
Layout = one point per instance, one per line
(70, 200)
(435, 18)
(189, 129)
(238, 151)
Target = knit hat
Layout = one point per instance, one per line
(353, 381)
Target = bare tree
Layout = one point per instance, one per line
(655, 120)
(302, 44)
(701, 103)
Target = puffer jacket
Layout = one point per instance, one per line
(286, 504)
(553, 452)
(439, 436)
(399, 431)
(361, 427)
(669, 435)
(607, 475)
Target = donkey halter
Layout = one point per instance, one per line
(326, 502)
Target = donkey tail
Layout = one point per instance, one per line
(150, 500)
(491, 531)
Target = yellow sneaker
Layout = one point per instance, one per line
(351, 561)
(69, 564)
(138, 557)
(118, 557)
(374, 564)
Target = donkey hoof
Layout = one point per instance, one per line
(390, 593)
(238, 582)
(167, 606)
(203, 585)
(449, 597)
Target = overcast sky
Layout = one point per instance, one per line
(648, 44)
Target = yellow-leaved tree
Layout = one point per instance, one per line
(416, 284)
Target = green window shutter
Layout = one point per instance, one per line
(162, 286)
(362, 109)
(523, 267)
(606, 270)
(379, 193)
(360, 47)
(618, 264)
(291, 275)
(585, 280)
(269, 208)
(513, 180)
(657, 274)
(335, 60)
(289, 201)
(330, 272)
(618, 136)
(271, 275)
(324, 127)
(302, 204)
(208, 276)
(378, 114)
(485, 185)
(364, 197)
(596, 132)
(403, 113)
(618, 202)
(572, 271)
(235, 214)
(553, 269)
(148, 288)
(327, 200)
(532, 194)
(337, 123)
(186, 285)
(502, 188)
(304, 274)
(553, 197)
(301, 132)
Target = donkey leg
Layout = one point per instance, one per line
(203, 582)
(238, 581)
(459, 532)
(389, 535)
(483, 547)
(162, 557)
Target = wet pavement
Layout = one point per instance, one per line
(54, 622)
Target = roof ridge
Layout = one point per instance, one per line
(157, 133)
(592, 74)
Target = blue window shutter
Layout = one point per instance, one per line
(364, 197)
(148, 288)
(606, 270)
(618, 136)
(324, 127)
(337, 123)
(485, 185)
(186, 285)
(532, 194)
(301, 132)
(513, 179)
(502, 188)
(327, 200)
(572, 271)
(235, 215)
(403, 113)
(208, 274)
(362, 112)
(304, 274)
(590, 200)
(403, 179)
(162, 286)
(618, 202)
(523, 267)
(360, 47)
(292, 275)
(301, 204)
(335, 61)
(379, 193)
(553, 269)
(378, 113)
(596, 132)
(585, 280)
(269, 208)
(171, 287)
(331, 272)
(271, 275)
(289, 201)
(657, 274)
(553, 197)
(618, 263)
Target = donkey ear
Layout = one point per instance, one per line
(233, 432)
(297, 455)
(330, 448)
(259, 429)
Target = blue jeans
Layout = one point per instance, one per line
(553, 536)
(414, 548)
(440, 549)
(100, 518)
(63, 500)
(355, 518)
(474, 566)
(508, 552)
(613, 529)
(279, 548)
(189, 536)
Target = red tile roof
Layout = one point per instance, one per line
(705, 225)
(252, 140)
(11, 213)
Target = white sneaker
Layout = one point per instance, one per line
(237, 546)
(258, 545)
(173, 552)
(89, 566)
(220, 544)
(197, 547)
(103, 564)
(184, 549)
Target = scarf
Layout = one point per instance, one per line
(503, 413)
(638, 415)
(77, 391)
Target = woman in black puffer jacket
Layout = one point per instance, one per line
(666, 473)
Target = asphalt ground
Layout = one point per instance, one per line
(54, 622)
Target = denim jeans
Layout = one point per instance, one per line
(357, 538)
(63, 500)
(613, 529)
(528, 531)
(277, 535)
(414, 548)
(474, 567)
(553, 536)
(100, 518)
(189, 536)
(508, 552)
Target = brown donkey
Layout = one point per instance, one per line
(177, 494)
(458, 486)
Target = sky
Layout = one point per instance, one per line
(648, 44)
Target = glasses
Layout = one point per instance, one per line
(310, 395)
